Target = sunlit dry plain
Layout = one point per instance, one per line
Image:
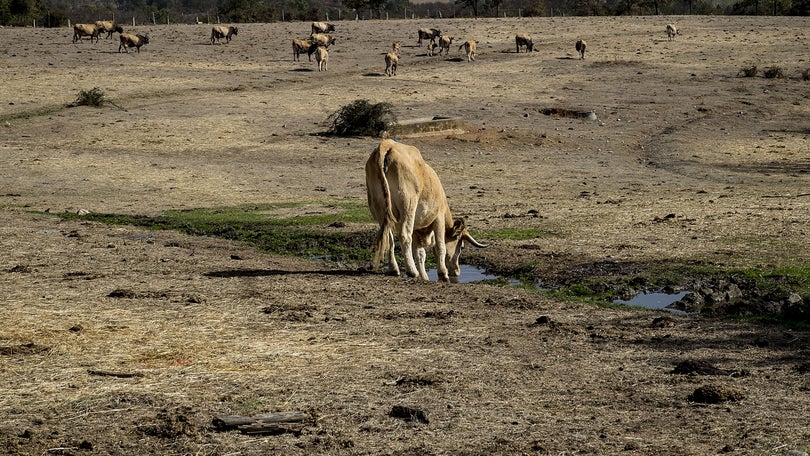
(116, 340)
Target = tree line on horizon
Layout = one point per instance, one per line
(60, 13)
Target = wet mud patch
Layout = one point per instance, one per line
(170, 424)
(716, 394)
(569, 113)
(700, 367)
(126, 293)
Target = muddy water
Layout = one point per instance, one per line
(658, 301)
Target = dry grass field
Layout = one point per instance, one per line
(120, 340)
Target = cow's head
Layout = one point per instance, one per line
(118, 28)
(454, 239)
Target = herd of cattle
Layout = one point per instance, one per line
(320, 39)
(127, 40)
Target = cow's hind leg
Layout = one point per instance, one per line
(420, 252)
(406, 242)
(393, 267)
(440, 250)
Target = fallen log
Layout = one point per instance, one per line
(271, 428)
(267, 424)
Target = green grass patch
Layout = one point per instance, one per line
(309, 235)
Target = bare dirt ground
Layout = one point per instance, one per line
(116, 340)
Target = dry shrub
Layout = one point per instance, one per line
(774, 72)
(748, 72)
(362, 118)
(92, 97)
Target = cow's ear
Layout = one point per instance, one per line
(458, 228)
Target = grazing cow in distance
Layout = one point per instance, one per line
(322, 39)
(322, 27)
(80, 30)
(444, 44)
(299, 46)
(109, 27)
(407, 199)
(428, 34)
(672, 31)
(524, 39)
(321, 58)
(581, 45)
(469, 47)
(128, 40)
(391, 62)
(221, 31)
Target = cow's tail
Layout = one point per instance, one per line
(385, 236)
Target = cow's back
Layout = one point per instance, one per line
(412, 182)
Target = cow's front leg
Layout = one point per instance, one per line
(440, 251)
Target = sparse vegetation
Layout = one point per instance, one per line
(774, 72)
(362, 118)
(749, 71)
(93, 97)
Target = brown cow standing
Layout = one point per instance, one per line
(80, 30)
(580, 46)
(391, 63)
(470, 47)
(405, 196)
(523, 39)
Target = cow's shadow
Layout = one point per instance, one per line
(303, 70)
(229, 273)
(373, 75)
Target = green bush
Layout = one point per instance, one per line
(362, 118)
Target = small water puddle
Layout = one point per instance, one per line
(647, 300)
(655, 301)
(471, 274)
